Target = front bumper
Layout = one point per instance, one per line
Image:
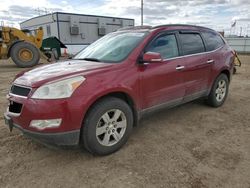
(23, 110)
(69, 138)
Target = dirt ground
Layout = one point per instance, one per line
(192, 145)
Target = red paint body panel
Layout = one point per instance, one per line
(160, 83)
(147, 85)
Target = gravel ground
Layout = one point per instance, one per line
(192, 145)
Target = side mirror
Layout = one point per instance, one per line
(152, 57)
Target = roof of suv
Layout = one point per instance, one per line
(146, 27)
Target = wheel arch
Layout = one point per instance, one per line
(222, 71)
(227, 73)
(121, 95)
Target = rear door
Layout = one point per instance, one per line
(215, 52)
(197, 66)
(161, 84)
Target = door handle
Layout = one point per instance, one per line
(210, 61)
(179, 67)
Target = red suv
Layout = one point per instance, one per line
(96, 98)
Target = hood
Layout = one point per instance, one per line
(46, 73)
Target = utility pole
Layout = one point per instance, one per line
(142, 12)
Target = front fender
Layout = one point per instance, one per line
(108, 91)
(89, 97)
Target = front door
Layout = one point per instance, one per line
(161, 84)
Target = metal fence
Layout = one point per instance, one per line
(241, 45)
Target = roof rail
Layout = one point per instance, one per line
(158, 26)
(135, 28)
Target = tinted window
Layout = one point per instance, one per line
(191, 43)
(166, 45)
(213, 41)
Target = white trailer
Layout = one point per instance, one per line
(76, 30)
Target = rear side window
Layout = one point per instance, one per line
(213, 41)
(191, 43)
(166, 45)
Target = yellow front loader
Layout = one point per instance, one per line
(22, 46)
(236, 62)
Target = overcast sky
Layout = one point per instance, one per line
(216, 14)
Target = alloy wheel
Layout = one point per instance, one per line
(220, 91)
(111, 127)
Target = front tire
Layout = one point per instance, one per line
(219, 91)
(107, 126)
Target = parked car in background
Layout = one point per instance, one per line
(95, 99)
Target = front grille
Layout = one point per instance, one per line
(19, 90)
(15, 107)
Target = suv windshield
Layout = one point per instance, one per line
(113, 47)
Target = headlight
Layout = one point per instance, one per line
(58, 90)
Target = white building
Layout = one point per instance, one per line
(76, 30)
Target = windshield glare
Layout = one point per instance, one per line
(113, 47)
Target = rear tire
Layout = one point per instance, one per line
(25, 54)
(219, 91)
(107, 126)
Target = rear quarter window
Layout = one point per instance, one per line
(213, 41)
(191, 43)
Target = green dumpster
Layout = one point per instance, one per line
(52, 45)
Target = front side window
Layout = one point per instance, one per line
(113, 47)
(213, 41)
(191, 43)
(166, 45)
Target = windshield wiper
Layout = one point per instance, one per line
(89, 59)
